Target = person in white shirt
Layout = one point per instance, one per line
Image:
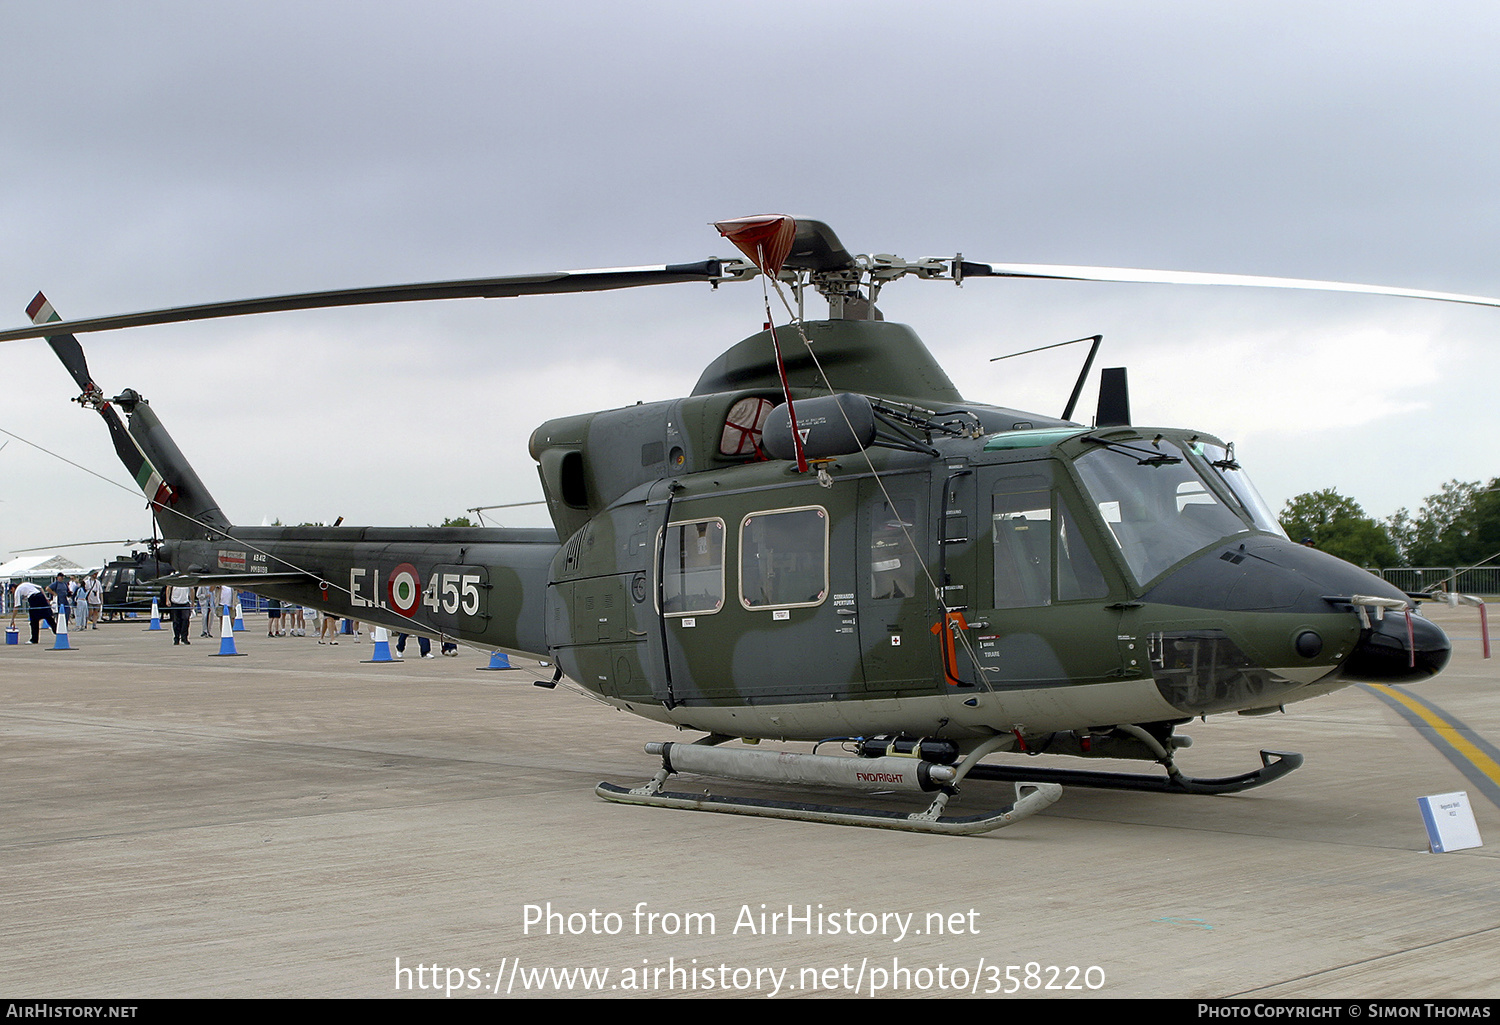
(179, 603)
(34, 599)
(93, 593)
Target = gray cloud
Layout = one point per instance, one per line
(154, 154)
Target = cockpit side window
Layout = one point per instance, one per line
(1039, 552)
(1022, 520)
(1078, 575)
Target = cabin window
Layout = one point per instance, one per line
(693, 568)
(784, 558)
(893, 561)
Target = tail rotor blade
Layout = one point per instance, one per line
(145, 475)
(66, 346)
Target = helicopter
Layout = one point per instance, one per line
(130, 582)
(825, 541)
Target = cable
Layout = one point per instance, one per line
(212, 529)
(938, 593)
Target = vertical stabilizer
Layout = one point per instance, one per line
(192, 512)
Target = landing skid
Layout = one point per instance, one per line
(786, 767)
(1030, 799)
(1274, 765)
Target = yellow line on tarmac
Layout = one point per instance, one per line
(1481, 761)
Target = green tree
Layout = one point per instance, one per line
(1458, 526)
(457, 521)
(1339, 526)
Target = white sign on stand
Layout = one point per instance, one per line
(1450, 822)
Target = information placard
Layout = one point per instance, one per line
(1450, 822)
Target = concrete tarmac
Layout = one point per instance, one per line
(293, 823)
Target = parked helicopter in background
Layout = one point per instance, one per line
(129, 582)
(827, 541)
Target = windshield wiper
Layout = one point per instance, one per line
(1142, 456)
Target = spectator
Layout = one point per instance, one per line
(63, 590)
(93, 594)
(179, 604)
(206, 596)
(35, 600)
(423, 645)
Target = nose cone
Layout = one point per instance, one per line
(1265, 574)
(1385, 655)
(1271, 575)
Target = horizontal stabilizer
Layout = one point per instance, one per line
(246, 581)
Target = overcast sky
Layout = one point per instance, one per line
(155, 154)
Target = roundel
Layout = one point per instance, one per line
(406, 589)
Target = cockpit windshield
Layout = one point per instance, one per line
(1156, 503)
(1222, 462)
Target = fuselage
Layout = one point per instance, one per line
(1031, 581)
(977, 570)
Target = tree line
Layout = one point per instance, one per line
(1458, 526)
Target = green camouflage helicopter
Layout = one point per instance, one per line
(826, 541)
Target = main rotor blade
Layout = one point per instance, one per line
(1171, 277)
(474, 288)
(817, 248)
(81, 544)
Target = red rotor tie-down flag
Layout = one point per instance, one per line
(767, 241)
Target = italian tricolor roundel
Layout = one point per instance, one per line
(406, 589)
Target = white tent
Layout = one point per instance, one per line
(40, 569)
(37, 567)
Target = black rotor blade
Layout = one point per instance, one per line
(81, 544)
(473, 288)
(71, 353)
(817, 248)
(1172, 277)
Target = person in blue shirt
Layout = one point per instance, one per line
(60, 588)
